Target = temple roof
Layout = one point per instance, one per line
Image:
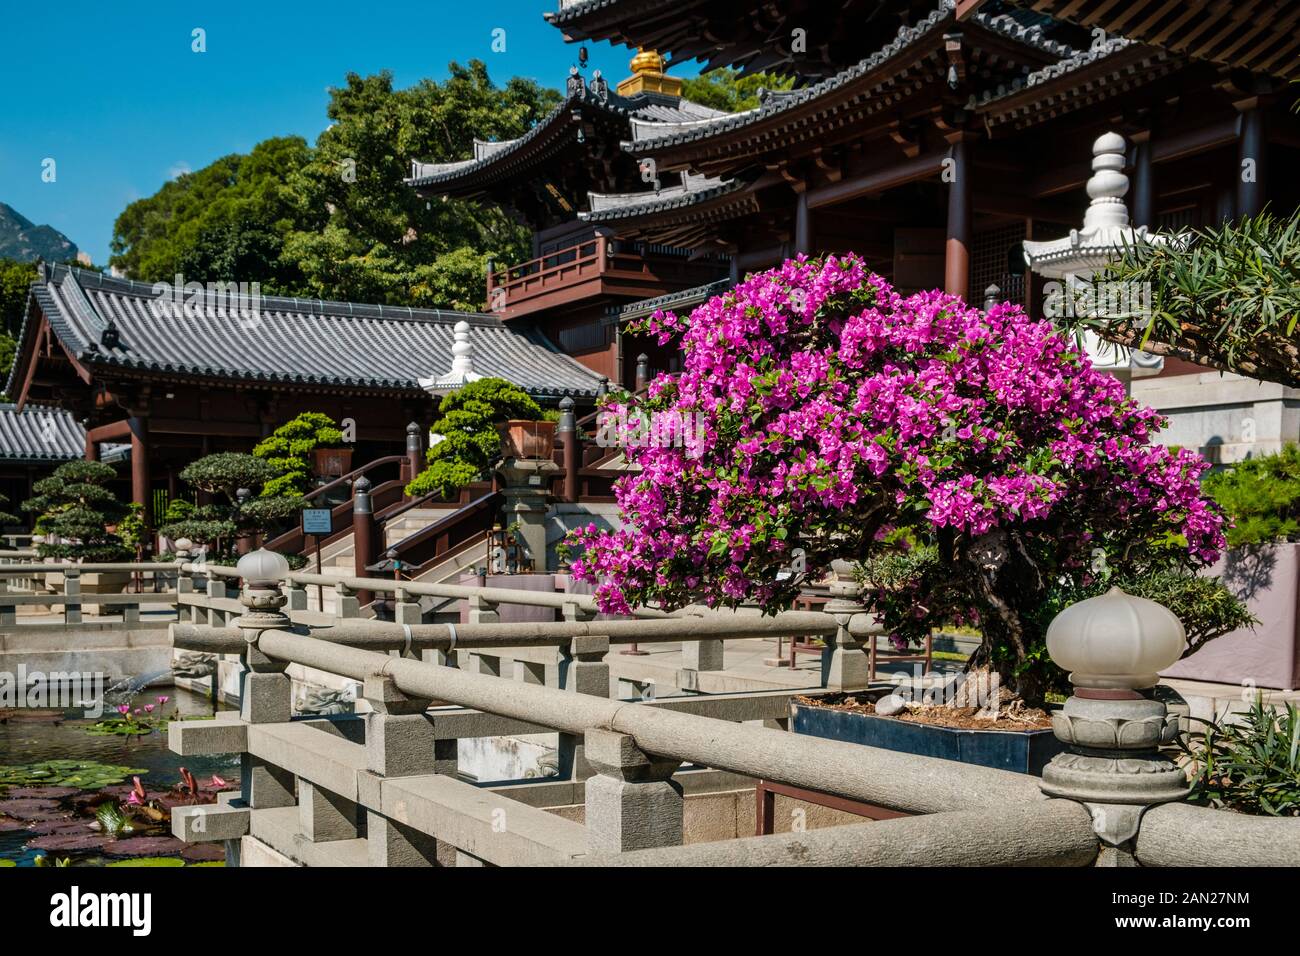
(810, 39)
(1110, 69)
(675, 215)
(39, 434)
(914, 57)
(676, 301)
(494, 161)
(134, 329)
(1257, 35)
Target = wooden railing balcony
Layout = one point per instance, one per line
(601, 265)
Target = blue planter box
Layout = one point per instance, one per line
(1024, 751)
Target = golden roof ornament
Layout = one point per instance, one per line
(648, 76)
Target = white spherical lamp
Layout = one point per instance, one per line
(262, 568)
(1115, 641)
(38, 539)
(183, 544)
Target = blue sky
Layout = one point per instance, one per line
(115, 95)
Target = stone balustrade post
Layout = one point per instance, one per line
(346, 603)
(482, 611)
(632, 802)
(184, 585)
(265, 691)
(1114, 647)
(706, 655)
(71, 589)
(217, 590)
(400, 742)
(845, 662)
(8, 612)
(583, 671)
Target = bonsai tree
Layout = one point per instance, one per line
(288, 448)
(74, 506)
(1227, 297)
(5, 517)
(1262, 496)
(836, 419)
(469, 441)
(222, 476)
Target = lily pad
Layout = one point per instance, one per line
(9, 825)
(212, 863)
(203, 852)
(69, 842)
(81, 774)
(42, 793)
(150, 861)
(144, 846)
(29, 809)
(66, 825)
(12, 863)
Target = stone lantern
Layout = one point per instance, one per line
(1074, 259)
(261, 572)
(1114, 645)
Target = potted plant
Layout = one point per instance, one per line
(524, 438)
(466, 441)
(839, 420)
(310, 444)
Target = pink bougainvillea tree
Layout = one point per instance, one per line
(827, 417)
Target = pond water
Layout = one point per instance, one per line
(35, 737)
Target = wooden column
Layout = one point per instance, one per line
(1144, 213)
(1250, 148)
(956, 261)
(140, 487)
(803, 231)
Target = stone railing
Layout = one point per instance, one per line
(23, 585)
(382, 788)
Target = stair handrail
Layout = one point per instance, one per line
(353, 474)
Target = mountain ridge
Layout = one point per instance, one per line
(23, 240)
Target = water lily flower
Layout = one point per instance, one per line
(148, 708)
(163, 700)
(124, 709)
(218, 783)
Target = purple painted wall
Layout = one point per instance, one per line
(1268, 580)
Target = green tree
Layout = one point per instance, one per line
(226, 221)
(337, 220)
(75, 509)
(222, 476)
(1262, 496)
(288, 448)
(1227, 297)
(470, 442)
(382, 242)
(725, 89)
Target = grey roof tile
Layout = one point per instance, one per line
(39, 434)
(110, 322)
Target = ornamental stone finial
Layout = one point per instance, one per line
(1114, 645)
(1108, 185)
(462, 363)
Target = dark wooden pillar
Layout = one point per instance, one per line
(414, 452)
(956, 260)
(364, 536)
(567, 430)
(1144, 213)
(1250, 157)
(140, 485)
(803, 230)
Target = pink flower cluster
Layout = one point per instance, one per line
(833, 405)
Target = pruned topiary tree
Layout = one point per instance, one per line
(835, 419)
(469, 441)
(74, 511)
(222, 476)
(288, 451)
